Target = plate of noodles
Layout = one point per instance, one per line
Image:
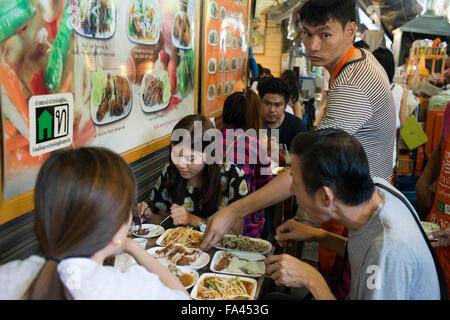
(186, 236)
(211, 286)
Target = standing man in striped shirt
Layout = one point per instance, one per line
(359, 102)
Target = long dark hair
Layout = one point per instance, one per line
(291, 79)
(211, 188)
(82, 198)
(386, 59)
(243, 109)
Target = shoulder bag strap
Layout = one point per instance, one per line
(440, 272)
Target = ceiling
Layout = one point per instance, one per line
(394, 13)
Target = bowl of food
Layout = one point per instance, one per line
(142, 242)
(430, 227)
(147, 231)
(187, 276)
(143, 23)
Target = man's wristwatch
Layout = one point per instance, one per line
(202, 226)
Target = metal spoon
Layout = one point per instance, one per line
(247, 271)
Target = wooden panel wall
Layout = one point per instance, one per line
(271, 59)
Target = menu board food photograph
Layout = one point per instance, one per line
(118, 74)
(225, 52)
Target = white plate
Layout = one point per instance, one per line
(155, 107)
(201, 262)
(156, 23)
(176, 41)
(108, 117)
(269, 245)
(203, 276)
(251, 257)
(75, 19)
(124, 261)
(159, 241)
(155, 231)
(192, 273)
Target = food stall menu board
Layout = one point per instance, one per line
(225, 52)
(127, 68)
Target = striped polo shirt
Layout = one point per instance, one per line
(360, 102)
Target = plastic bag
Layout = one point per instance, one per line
(412, 104)
(440, 101)
(414, 84)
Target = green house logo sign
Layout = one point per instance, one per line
(45, 126)
(51, 122)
